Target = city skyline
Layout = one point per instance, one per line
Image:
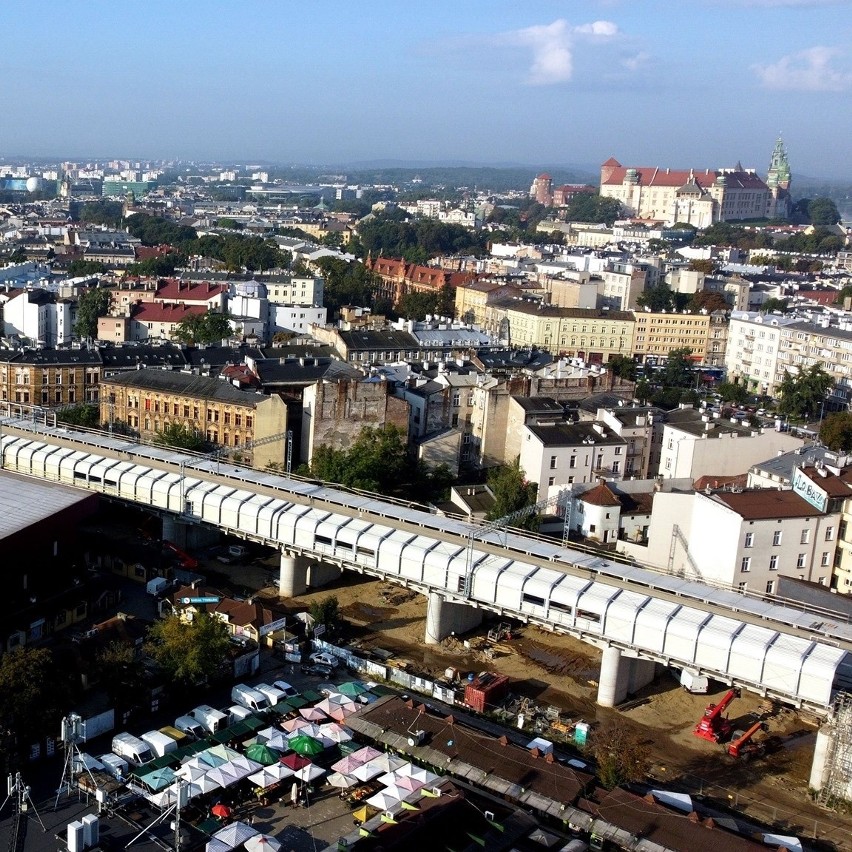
(703, 83)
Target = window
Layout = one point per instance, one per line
(800, 562)
(773, 563)
(745, 565)
(825, 557)
(618, 451)
(829, 533)
(749, 539)
(553, 462)
(616, 467)
(806, 537)
(770, 587)
(572, 462)
(741, 587)
(776, 538)
(551, 480)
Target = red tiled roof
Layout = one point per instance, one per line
(765, 503)
(829, 482)
(705, 178)
(611, 162)
(600, 495)
(165, 311)
(172, 290)
(719, 481)
(147, 252)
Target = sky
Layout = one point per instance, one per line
(677, 83)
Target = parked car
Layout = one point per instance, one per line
(288, 690)
(320, 658)
(314, 669)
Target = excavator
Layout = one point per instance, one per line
(713, 726)
(742, 746)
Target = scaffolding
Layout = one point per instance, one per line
(837, 777)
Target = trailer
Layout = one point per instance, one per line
(713, 726)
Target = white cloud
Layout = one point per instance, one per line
(552, 47)
(807, 71)
(637, 61)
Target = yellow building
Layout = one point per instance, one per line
(593, 335)
(657, 334)
(147, 401)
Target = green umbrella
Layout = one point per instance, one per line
(262, 753)
(305, 745)
(311, 697)
(352, 689)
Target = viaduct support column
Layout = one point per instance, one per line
(292, 575)
(642, 672)
(322, 573)
(615, 674)
(444, 618)
(824, 742)
(174, 531)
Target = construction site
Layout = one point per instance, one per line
(734, 747)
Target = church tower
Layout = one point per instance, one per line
(778, 181)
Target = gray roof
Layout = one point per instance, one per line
(52, 357)
(25, 501)
(130, 357)
(539, 405)
(185, 384)
(367, 340)
(782, 466)
(573, 434)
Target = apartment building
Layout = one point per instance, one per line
(591, 335)
(49, 377)
(717, 340)
(254, 426)
(754, 343)
(620, 286)
(38, 316)
(658, 334)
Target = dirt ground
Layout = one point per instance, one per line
(561, 671)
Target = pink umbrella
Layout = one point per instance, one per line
(293, 725)
(346, 765)
(312, 714)
(365, 754)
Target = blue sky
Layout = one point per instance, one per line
(682, 83)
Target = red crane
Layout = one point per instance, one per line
(187, 561)
(742, 747)
(713, 726)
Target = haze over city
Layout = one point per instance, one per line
(699, 83)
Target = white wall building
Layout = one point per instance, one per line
(39, 316)
(561, 454)
(712, 447)
(296, 291)
(754, 341)
(298, 318)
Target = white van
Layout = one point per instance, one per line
(159, 743)
(288, 690)
(114, 765)
(191, 727)
(237, 713)
(211, 720)
(132, 749)
(273, 694)
(244, 695)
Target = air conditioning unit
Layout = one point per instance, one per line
(416, 738)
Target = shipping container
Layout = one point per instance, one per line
(486, 691)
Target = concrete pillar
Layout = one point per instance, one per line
(821, 751)
(642, 672)
(174, 531)
(292, 575)
(322, 573)
(615, 674)
(199, 536)
(444, 618)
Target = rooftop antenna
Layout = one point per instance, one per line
(72, 733)
(19, 793)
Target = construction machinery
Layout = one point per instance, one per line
(188, 562)
(713, 725)
(742, 746)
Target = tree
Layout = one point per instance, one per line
(212, 327)
(643, 391)
(91, 305)
(773, 304)
(836, 431)
(512, 492)
(180, 436)
(621, 755)
(86, 415)
(708, 301)
(704, 265)
(622, 366)
(35, 693)
(416, 306)
(823, 212)
(659, 298)
(731, 392)
(120, 671)
(803, 395)
(189, 653)
(326, 612)
(591, 207)
(82, 268)
(677, 371)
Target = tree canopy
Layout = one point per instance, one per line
(662, 298)
(80, 268)
(416, 241)
(512, 493)
(190, 653)
(210, 327)
(836, 431)
(621, 754)
(180, 436)
(592, 207)
(35, 693)
(91, 305)
(803, 394)
(378, 460)
(823, 212)
(326, 612)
